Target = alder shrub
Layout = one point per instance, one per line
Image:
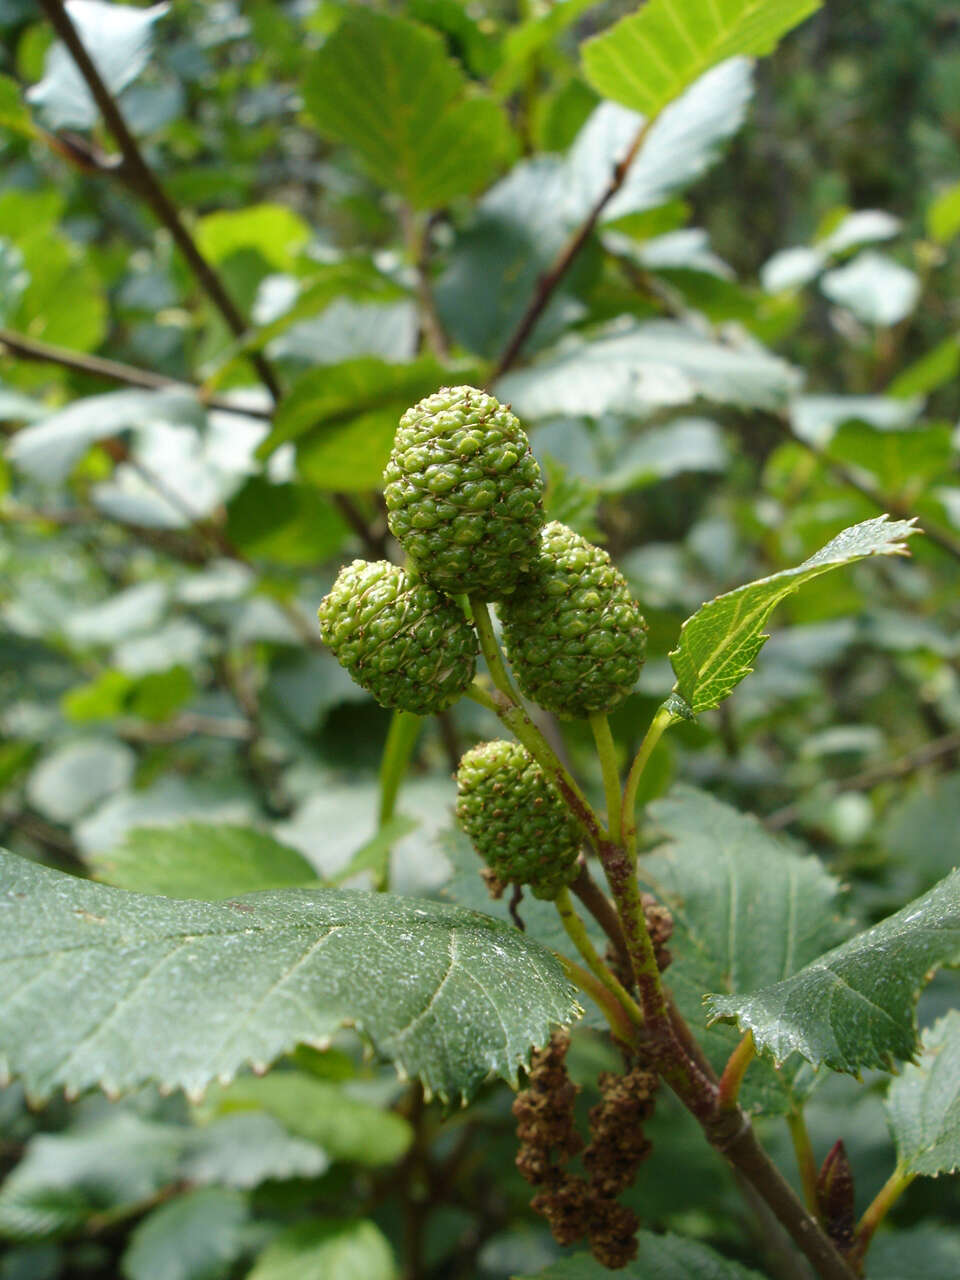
(527, 914)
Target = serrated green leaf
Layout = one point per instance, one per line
(198, 1236)
(334, 1250)
(385, 87)
(648, 58)
(923, 1104)
(718, 645)
(322, 1111)
(200, 860)
(135, 988)
(541, 920)
(855, 1007)
(658, 1258)
(748, 908)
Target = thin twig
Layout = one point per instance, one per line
(138, 175)
(858, 481)
(603, 911)
(929, 753)
(416, 232)
(846, 475)
(547, 284)
(183, 726)
(113, 371)
(130, 375)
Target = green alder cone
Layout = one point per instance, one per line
(516, 819)
(464, 493)
(401, 640)
(574, 635)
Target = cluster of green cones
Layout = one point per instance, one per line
(464, 498)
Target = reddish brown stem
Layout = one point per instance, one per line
(547, 284)
(135, 171)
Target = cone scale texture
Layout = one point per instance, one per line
(574, 635)
(517, 821)
(401, 640)
(464, 493)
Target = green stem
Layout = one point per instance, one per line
(876, 1211)
(658, 726)
(607, 753)
(398, 748)
(806, 1162)
(477, 693)
(506, 704)
(620, 1024)
(728, 1091)
(523, 728)
(577, 933)
(489, 647)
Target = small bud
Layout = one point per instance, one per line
(835, 1197)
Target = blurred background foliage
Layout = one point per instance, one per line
(757, 347)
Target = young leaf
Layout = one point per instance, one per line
(923, 1104)
(200, 860)
(718, 644)
(648, 58)
(197, 1235)
(385, 87)
(855, 1007)
(658, 1258)
(749, 909)
(334, 1248)
(104, 987)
